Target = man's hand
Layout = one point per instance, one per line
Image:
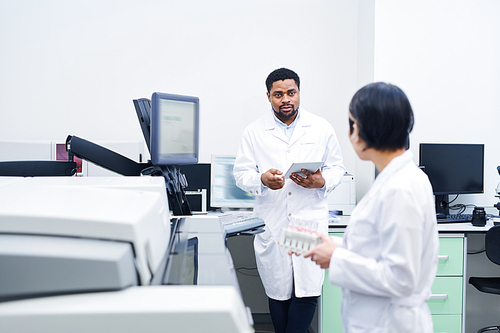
(273, 179)
(322, 253)
(314, 180)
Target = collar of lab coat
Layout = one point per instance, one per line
(304, 121)
(393, 166)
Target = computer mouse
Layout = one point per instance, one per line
(440, 216)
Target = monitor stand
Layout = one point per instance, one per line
(442, 204)
(176, 183)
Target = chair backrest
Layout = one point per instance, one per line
(493, 244)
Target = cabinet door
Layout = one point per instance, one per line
(447, 323)
(330, 307)
(331, 298)
(451, 256)
(446, 295)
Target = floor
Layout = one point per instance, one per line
(263, 327)
(268, 328)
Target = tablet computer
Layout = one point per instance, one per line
(312, 167)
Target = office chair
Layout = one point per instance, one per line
(490, 285)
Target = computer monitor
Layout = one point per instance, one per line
(174, 129)
(223, 191)
(452, 169)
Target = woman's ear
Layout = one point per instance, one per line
(358, 144)
(354, 135)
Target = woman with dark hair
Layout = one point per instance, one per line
(387, 259)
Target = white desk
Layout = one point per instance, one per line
(442, 227)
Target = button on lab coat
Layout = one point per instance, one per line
(264, 146)
(389, 254)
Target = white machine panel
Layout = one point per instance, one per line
(36, 266)
(343, 198)
(16, 150)
(187, 309)
(128, 209)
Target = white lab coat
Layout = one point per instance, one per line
(265, 146)
(389, 254)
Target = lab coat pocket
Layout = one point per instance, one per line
(311, 151)
(265, 237)
(264, 246)
(314, 205)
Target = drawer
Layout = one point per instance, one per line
(446, 298)
(451, 256)
(447, 323)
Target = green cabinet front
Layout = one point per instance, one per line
(331, 299)
(447, 292)
(451, 256)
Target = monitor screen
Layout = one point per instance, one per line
(182, 267)
(174, 129)
(191, 268)
(223, 191)
(453, 168)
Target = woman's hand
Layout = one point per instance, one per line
(322, 253)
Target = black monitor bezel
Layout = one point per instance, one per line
(454, 146)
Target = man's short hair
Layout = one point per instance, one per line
(384, 116)
(281, 74)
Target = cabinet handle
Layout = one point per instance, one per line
(444, 257)
(439, 296)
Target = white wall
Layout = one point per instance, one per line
(365, 170)
(445, 56)
(74, 67)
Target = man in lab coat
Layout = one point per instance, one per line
(284, 135)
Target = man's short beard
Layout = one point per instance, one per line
(281, 115)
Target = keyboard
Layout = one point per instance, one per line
(455, 218)
(237, 222)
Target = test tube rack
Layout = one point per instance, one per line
(298, 240)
